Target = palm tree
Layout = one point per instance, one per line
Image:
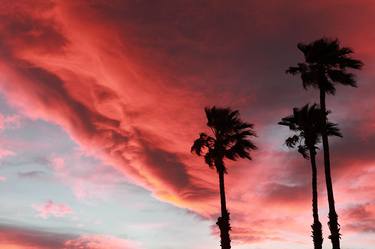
(306, 122)
(325, 66)
(231, 141)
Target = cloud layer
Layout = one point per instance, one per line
(31, 237)
(128, 80)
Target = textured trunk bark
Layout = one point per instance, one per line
(333, 219)
(223, 221)
(317, 234)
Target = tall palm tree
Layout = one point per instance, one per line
(326, 65)
(230, 140)
(306, 122)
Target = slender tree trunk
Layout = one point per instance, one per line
(317, 234)
(223, 221)
(333, 224)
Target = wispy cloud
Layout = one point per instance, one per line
(34, 174)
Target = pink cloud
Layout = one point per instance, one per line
(10, 121)
(3, 178)
(362, 217)
(82, 176)
(99, 242)
(6, 153)
(52, 209)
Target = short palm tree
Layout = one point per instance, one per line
(326, 65)
(306, 122)
(230, 140)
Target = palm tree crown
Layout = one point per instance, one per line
(308, 125)
(230, 138)
(325, 65)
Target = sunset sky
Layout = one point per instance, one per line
(101, 100)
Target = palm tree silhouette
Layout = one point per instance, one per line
(325, 66)
(308, 125)
(231, 141)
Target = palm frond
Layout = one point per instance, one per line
(303, 150)
(199, 144)
(292, 141)
(342, 77)
(294, 70)
(346, 62)
(209, 158)
(333, 130)
(307, 124)
(240, 149)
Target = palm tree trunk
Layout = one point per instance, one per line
(223, 221)
(316, 226)
(333, 218)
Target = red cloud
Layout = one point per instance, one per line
(129, 84)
